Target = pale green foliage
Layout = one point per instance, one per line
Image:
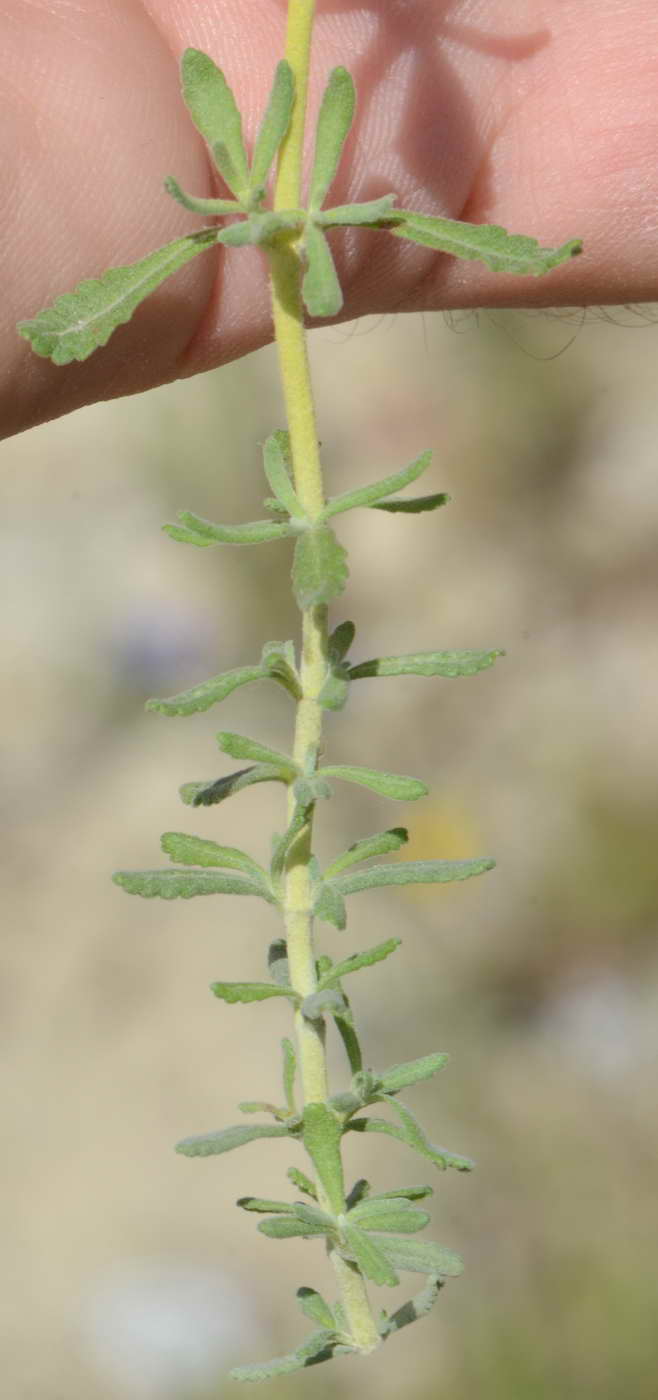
(513, 253)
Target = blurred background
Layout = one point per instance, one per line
(128, 1273)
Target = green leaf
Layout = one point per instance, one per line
(259, 1106)
(288, 1227)
(208, 693)
(321, 289)
(360, 1191)
(212, 207)
(313, 1306)
(377, 845)
(237, 746)
(410, 1132)
(340, 642)
(318, 1003)
(233, 992)
(416, 505)
(416, 1307)
(213, 110)
(333, 694)
(330, 906)
(208, 794)
(370, 1259)
(78, 322)
(334, 122)
(195, 530)
(409, 1193)
(387, 784)
(195, 850)
(263, 1207)
(212, 1144)
(262, 228)
(302, 1182)
(420, 1256)
(319, 569)
(274, 125)
(369, 212)
(184, 884)
(366, 495)
(278, 661)
(322, 1133)
(277, 462)
(318, 1347)
(346, 1030)
(400, 1076)
(289, 1072)
(427, 663)
(411, 872)
(501, 251)
(359, 960)
(390, 1216)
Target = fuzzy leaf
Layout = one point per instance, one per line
(212, 1144)
(359, 960)
(335, 689)
(233, 992)
(334, 122)
(409, 1193)
(410, 1132)
(302, 1182)
(212, 207)
(237, 746)
(313, 1306)
(262, 1207)
(390, 1216)
(278, 661)
(360, 1191)
(427, 663)
(195, 850)
(319, 569)
(346, 1030)
(377, 845)
(322, 1134)
(208, 794)
(318, 1003)
(420, 1256)
(340, 642)
(416, 1307)
(78, 322)
(369, 212)
(330, 906)
(289, 1072)
(318, 1347)
(366, 495)
(278, 470)
(194, 530)
(215, 114)
(320, 286)
(416, 505)
(261, 228)
(501, 251)
(184, 884)
(274, 125)
(277, 962)
(411, 872)
(387, 784)
(400, 1076)
(370, 1259)
(288, 1227)
(208, 693)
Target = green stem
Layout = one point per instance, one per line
(286, 276)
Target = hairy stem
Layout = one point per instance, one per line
(286, 275)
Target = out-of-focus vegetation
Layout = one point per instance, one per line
(128, 1274)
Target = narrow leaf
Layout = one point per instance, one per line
(320, 567)
(212, 1144)
(416, 1307)
(359, 960)
(416, 505)
(233, 992)
(420, 1256)
(213, 110)
(390, 1218)
(274, 125)
(313, 1306)
(438, 1155)
(278, 660)
(340, 642)
(195, 530)
(377, 845)
(427, 663)
(369, 212)
(321, 289)
(370, 1257)
(400, 1076)
(208, 693)
(208, 794)
(501, 251)
(288, 1227)
(237, 746)
(263, 1207)
(318, 1347)
(302, 1182)
(278, 470)
(211, 207)
(289, 1072)
(334, 122)
(322, 1134)
(411, 872)
(195, 850)
(366, 495)
(78, 322)
(410, 1193)
(346, 1030)
(184, 884)
(360, 1191)
(387, 784)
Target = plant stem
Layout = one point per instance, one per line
(286, 276)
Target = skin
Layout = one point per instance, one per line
(540, 115)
